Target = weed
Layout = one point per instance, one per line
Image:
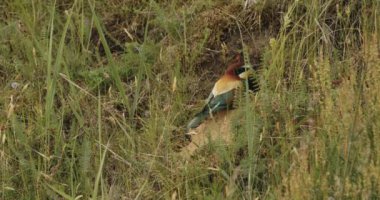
(95, 96)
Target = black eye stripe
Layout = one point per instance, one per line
(240, 70)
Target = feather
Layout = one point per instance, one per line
(223, 95)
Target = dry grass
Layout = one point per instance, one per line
(95, 97)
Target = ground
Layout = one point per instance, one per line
(96, 95)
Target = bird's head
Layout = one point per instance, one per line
(244, 71)
(238, 68)
(235, 63)
(237, 59)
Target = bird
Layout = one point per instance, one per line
(223, 92)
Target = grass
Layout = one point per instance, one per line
(95, 96)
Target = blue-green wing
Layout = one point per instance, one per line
(214, 105)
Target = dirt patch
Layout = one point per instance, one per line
(213, 35)
(217, 128)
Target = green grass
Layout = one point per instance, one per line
(104, 89)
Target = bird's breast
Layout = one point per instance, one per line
(226, 84)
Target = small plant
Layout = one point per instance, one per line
(95, 95)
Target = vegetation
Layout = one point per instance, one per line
(95, 95)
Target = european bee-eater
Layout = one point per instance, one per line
(222, 94)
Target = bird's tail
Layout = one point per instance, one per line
(199, 118)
